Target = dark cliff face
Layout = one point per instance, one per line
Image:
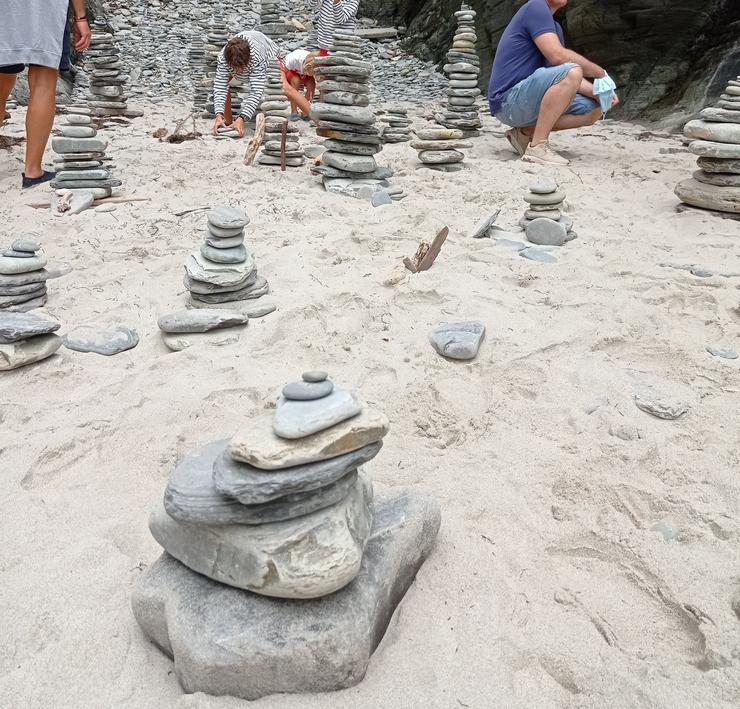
(667, 56)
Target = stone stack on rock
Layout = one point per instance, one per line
(271, 23)
(26, 338)
(343, 115)
(439, 148)
(398, 128)
(223, 270)
(463, 70)
(715, 139)
(23, 276)
(276, 108)
(197, 62)
(82, 165)
(280, 570)
(544, 222)
(108, 93)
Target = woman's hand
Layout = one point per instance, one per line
(220, 123)
(239, 127)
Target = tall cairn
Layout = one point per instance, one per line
(463, 71)
(197, 63)
(107, 95)
(715, 139)
(216, 40)
(343, 115)
(281, 568)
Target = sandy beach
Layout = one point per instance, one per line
(588, 555)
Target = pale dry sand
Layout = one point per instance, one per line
(549, 586)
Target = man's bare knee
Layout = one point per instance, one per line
(575, 74)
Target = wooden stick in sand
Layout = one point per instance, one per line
(254, 144)
(426, 253)
(97, 202)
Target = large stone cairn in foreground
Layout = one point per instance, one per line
(439, 148)
(281, 571)
(82, 163)
(463, 70)
(276, 108)
(107, 82)
(544, 221)
(22, 276)
(343, 114)
(223, 270)
(26, 338)
(716, 140)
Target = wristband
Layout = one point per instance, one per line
(81, 19)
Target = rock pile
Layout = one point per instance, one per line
(223, 270)
(463, 70)
(544, 222)
(199, 69)
(26, 338)
(439, 148)
(271, 23)
(108, 95)
(22, 276)
(398, 128)
(281, 572)
(82, 164)
(715, 138)
(276, 108)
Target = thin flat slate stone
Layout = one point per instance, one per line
(20, 326)
(192, 497)
(200, 268)
(78, 145)
(10, 266)
(717, 132)
(226, 642)
(189, 321)
(460, 340)
(236, 254)
(308, 391)
(298, 419)
(712, 149)
(306, 557)
(103, 341)
(252, 486)
(258, 445)
(228, 218)
(700, 194)
(22, 352)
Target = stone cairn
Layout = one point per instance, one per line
(270, 21)
(82, 164)
(715, 139)
(197, 62)
(544, 222)
(463, 70)
(281, 570)
(343, 115)
(398, 128)
(439, 148)
(223, 270)
(22, 276)
(107, 84)
(26, 338)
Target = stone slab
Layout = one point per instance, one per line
(460, 340)
(298, 419)
(23, 352)
(103, 341)
(20, 326)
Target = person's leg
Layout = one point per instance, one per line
(555, 103)
(42, 84)
(7, 83)
(310, 87)
(295, 96)
(569, 122)
(295, 82)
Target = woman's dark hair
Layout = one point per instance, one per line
(237, 53)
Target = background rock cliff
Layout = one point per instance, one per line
(667, 56)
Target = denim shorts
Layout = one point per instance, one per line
(521, 103)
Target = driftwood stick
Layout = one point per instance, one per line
(254, 144)
(190, 211)
(428, 259)
(283, 140)
(105, 200)
(181, 123)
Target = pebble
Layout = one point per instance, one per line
(298, 419)
(719, 351)
(308, 391)
(660, 405)
(25, 245)
(111, 341)
(545, 185)
(460, 340)
(314, 375)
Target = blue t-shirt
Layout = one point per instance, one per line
(517, 56)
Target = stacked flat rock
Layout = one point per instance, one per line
(197, 64)
(223, 270)
(276, 108)
(271, 23)
(26, 338)
(22, 276)
(439, 148)
(463, 71)
(216, 40)
(108, 93)
(344, 116)
(543, 220)
(82, 164)
(398, 125)
(715, 139)
(265, 539)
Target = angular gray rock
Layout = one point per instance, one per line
(298, 419)
(191, 495)
(20, 326)
(227, 642)
(546, 232)
(189, 321)
(103, 341)
(252, 486)
(305, 557)
(460, 340)
(660, 405)
(23, 352)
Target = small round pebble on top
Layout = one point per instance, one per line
(315, 375)
(308, 391)
(27, 245)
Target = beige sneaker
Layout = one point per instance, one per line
(519, 140)
(543, 154)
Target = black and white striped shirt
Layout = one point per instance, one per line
(330, 18)
(263, 50)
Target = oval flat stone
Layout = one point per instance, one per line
(347, 162)
(78, 145)
(27, 351)
(28, 245)
(74, 119)
(228, 242)
(719, 165)
(308, 391)
(546, 232)
(460, 340)
(545, 214)
(439, 134)
(200, 320)
(345, 114)
(110, 341)
(708, 130)
(545, 199)
(78, 131)
(237, 254)
(545, 185)
(440, 157)
(718, 179)
(298, 419)
(11, 253)
(10, 265)
(720, 115)
(699, 194)
(228, 218)
(314, 375)
(712, 149)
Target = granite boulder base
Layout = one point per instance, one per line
(225, 641)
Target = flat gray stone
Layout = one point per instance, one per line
(713, 149)
(298, 419)
(717, 179)
(177, 342)
(342, 146)
(27, 245)
(228, 218)
(348, 162)
(440, 157)
(721, 115)
(236, 254)
(228, 242)
(701, 194)
(67, 175)
(221, 233)
(717, 132)
(12, 253)
(306, 557)
(11, 266)
(258, 310)
(227, 642)
(257, 289)
(354, 115)
(20, 290)
(78, 145)
(537, 254)
(546, 232)
(78, 132)
(20, 326)
(73, 119)
(188, 321)
(314, 375)
(719, 165)
(202, 269)
(544, 185)
(308, 391)
(192, 497)
(22, 352)
(458, 340)
(659, 404)
(716, 350)
(103, 341)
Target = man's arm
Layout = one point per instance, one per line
(549, 44)
(257, 84)
(81, 27)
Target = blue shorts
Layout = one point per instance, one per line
(520, 106)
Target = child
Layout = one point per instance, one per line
(298, 72)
